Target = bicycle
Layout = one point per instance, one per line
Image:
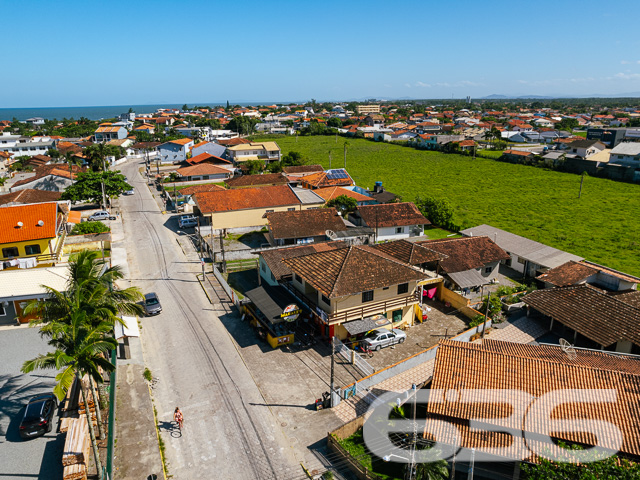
(178, 418)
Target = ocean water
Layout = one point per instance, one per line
(93, 113)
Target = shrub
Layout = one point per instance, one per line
(89, 227)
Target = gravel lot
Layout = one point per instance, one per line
(19, 459)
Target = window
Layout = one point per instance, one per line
(32, 249)
(263, 267)
(326, 300)
(403, 288)
(521, 260)
(399, 229)
(367, 296)
(273, 278)
(488, 269)
(10, 252)
(292, 209)
(385, 288)
(396, 316)
(2, 310)
(297, 277)
(270, 211)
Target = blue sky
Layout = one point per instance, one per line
(76, 53)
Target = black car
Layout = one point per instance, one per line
(38, 415)
(152, 304)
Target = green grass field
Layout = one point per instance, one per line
(603, 226)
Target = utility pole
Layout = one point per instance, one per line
(224, 262)
(104, 196)
(345, 155)
(331, 387)
(329, 159)
(412, 465)
(472, 464)
(486, 314)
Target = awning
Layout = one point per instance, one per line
(74, 217)
(468, 279)
(271, 301)
(355, 327)
(129, 329)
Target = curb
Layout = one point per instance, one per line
(155, 422)
(200, 281)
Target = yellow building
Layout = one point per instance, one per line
(359, 284)
(264, 151)
(31, 235)
(368, 109)
(247, 207)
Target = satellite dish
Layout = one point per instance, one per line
(40, 223)
(331, 234)
(20, 224)
(567, 348)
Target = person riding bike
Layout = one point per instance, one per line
(177, 416)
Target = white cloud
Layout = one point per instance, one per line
(625, 62)
(422, 84)
(408, 85)
(626, 76)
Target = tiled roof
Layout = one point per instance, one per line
(207, 187)
(598, 316)
(273, 258)
(29, 195)
(199, 144)
(392, 215)
(181, 141)
(149, 145)
(302, 169)
(304, 223)
(318, 180)
(245, 198)
(29, 215)
(206, 157)
(352, 270)
(58, 169)
(5, 154)
(466, 253)
(570, 273)
(108, 128)
(233, 141)
(517, 152)
(255, 180)
(630, 297)
(535, 370)
(330, 193)
(202, 169)
(64, 147)
(409, 252)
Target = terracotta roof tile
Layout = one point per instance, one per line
(245, 198)
(59, 169)
(570, 273)
(202, 169)
(29, 215)
(257, 180)
(207, 187)
(330, 193)
(302, 169)
(319, 180)
(207, 157)
(304, 223)
(181, 141)
(466, 253)
(391, 215)
(409, 252)
(29, 195)
(274, 258)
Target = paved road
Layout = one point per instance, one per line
(228, 434)
(39, 457)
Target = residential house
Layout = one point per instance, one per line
(146, 128)
(595, 318)
(210, 159)
(31, 235)
(578, 273)
(338, 177)
(35, 121)
(20, 145)
(19, 287)
(211, 148)
(37, 161)
(585, 148)
(303, 226)
(203, 171)
(28, 195)
(264, 180)
(5, 161)
(528, 257)
(175, 150)
(626, 154)
(267, 152)
(513, 136)
(55, 177)
(65, 147)
(108, 131)
(297, 171)
(374, 120)
(368, 109)
(330, 193)
(379, 193)
(355, 289)
(517, 155)
(391, 221)
(469, 263)
(435, 142)
(537, 373)
(245, 208)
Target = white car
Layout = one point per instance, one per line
(187, 221)
(382, 337)
(101, 215)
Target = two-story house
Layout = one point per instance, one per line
(626, 154)
(175, 150)
(304, 226)
(108, 131)
(211, 148)
(356, 288)
(267, 152)
(31, 235)
(391, 221)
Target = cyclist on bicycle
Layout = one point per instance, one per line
(177, 416)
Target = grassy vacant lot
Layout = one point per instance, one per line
(603, 226)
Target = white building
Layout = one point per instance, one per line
(627, 154)
(20, 145)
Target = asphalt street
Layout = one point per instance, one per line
(227, 433)
(38, 457)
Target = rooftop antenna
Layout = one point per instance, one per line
(567, 348)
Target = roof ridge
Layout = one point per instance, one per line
(344, 261)
(386, 256)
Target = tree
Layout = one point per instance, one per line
(344, 204)
(274, 167)
(292, 159)
(98, 153)
(334, 122)
(567, 124)
(185, 108)
(254, 167)
(88, 187)
(79, 349)
(85, 228)
(438, 211)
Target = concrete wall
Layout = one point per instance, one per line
(457, 301)
(389, 233)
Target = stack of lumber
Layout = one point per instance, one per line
(75, 455)
(90, 402)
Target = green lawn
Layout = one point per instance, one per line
(542, 205)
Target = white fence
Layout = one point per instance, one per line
(352, 357)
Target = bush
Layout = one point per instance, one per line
(89, 227)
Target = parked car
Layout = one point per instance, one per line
(101, 215)
(382, 337)
(152, 304)
(129, 192)
(187, 221)
(38, 416)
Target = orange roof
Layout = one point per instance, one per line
(330, 193)
(108, 129)
(74, 217)
(6, 154)
(29, 216)
(245, 199)
(199, 144)
(203, 157)
(202, 169)
(181, 141)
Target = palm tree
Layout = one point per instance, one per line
(80, 350)
(71, 160)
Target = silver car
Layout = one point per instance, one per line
(382, 337)
(152, 304)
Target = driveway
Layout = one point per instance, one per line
(39, 457)
(227, 431)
